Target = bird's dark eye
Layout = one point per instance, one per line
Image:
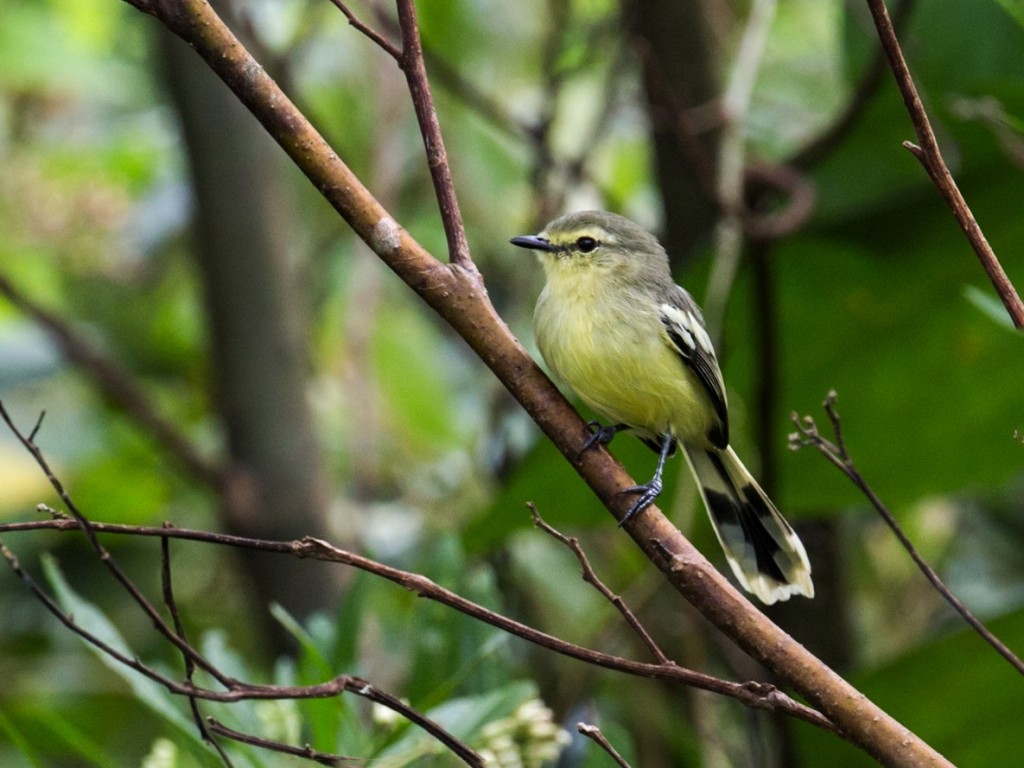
(586, 244)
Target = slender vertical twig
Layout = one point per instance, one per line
(167, 587)
(930, 156)
(415, 70)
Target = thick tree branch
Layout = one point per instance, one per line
(457, 293)
(930, 156)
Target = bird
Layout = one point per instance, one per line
(612, 324)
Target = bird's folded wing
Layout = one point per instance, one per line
(685, 330)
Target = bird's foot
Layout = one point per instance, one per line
(648, 493)
(599, 434)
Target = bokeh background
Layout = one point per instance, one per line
(300, 388)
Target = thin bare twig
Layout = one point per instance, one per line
(807, 434)
(323, 758)
(592, 578)
(172, 606)
(106, 558)
(238, 690)
(593, 733)
(392, 50)
(415, 70)
(752, 694)
(930, 156)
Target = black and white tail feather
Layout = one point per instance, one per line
(764, 553)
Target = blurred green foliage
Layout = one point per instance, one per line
(878, 297)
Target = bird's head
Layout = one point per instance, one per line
(597, 240)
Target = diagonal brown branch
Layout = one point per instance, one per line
(323, 758)
(930, 156)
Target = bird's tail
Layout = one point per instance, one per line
(763, 551)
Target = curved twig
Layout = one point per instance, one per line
(323, 758)
(753, 694)
(105, 557)
(392, 50)
(807, 434)
(237, 690)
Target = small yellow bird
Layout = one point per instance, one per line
(614, 326)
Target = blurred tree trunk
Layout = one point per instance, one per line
(675, 44)
(256, 318)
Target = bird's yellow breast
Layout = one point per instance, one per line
(614, 353)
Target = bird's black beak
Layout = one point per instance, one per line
(534, 243)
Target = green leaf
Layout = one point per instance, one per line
(90, 618)
(21, 743)
(462, 717)
(1013, 7)
(990, 306)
